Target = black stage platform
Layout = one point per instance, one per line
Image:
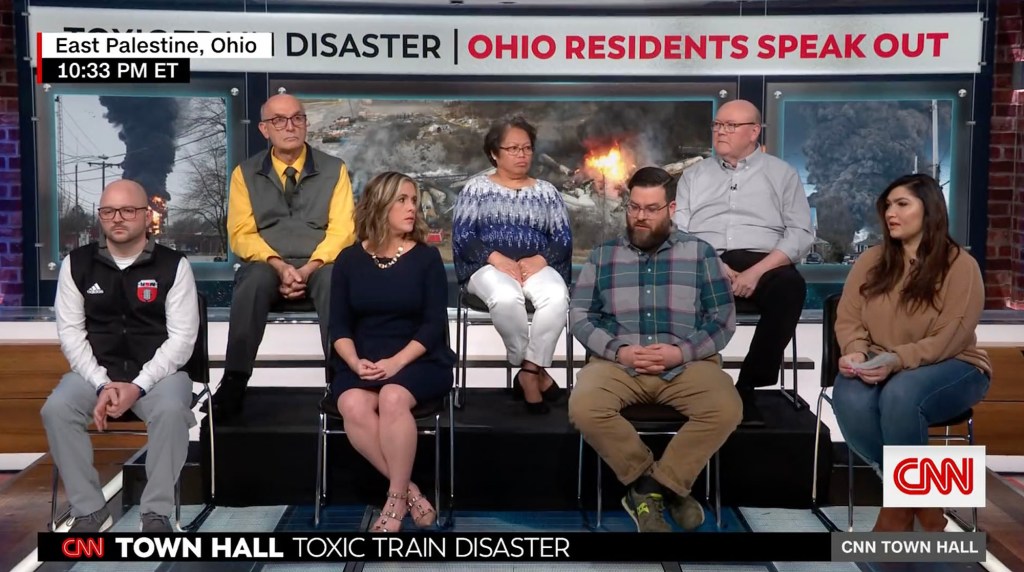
(505, 458)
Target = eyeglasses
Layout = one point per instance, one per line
(728, 127)
(280, 122)
(635, 209)
(518, 149)
(127, 213)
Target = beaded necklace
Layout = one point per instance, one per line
(390, 261)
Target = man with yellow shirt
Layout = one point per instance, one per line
(290, 212)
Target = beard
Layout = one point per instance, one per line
(648, 237)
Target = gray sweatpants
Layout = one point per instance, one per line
(164, 408)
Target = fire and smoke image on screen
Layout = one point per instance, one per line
(587, 149)
(848, 151)
(175, 147)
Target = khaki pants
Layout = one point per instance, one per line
(703, 392)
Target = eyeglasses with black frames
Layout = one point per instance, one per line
(299, 120)
(127, 213)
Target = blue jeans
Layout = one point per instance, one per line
(899, 410)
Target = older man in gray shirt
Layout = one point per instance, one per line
(752, 208)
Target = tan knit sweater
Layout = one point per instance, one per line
(928, 335)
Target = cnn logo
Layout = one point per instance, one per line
(82, 548)
(922, 476)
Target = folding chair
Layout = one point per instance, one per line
(829, 370)
(648, 419)
(481, 316)
(198, 369)
(332, 423)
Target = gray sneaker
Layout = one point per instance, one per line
(156, 524)
(95, 522)
(646, 511)
(686, 511)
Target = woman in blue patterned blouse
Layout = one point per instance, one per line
(511, 243)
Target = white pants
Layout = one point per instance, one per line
(506, 300)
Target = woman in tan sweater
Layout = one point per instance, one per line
(910, 305)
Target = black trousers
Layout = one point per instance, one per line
(779, 299)
(256, 292)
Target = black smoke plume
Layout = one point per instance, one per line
(148, 131)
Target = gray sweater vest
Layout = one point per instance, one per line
(293, 233)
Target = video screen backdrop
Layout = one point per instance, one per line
(847, 152)
(587, 149)
(176, 147)
(182, 149)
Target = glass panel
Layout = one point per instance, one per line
(178, 147)
(174, 147)
(849, 141)
(847, 152)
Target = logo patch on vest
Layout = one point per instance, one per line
(146, 290)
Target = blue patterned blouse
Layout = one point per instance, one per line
(517, 223)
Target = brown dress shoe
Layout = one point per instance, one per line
(894, 520)
(931, 519)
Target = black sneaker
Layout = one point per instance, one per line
(95, 522)
(751, 414)
(153, 523)
(646, 510)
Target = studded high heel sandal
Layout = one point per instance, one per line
(423, 514)
(389, 519)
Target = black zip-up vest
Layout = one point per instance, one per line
(125, 310)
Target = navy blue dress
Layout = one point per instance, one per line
(382, 310)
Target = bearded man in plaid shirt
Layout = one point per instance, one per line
(654, 308)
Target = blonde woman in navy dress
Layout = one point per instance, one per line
(389, 313)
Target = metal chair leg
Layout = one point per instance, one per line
(718, 491)
(211, 503)
(707, 483)
(849, 472)
(55, 481)
(579, 488)
(458, 337)
(817, 440)
(568, 359)
(600, 493)
(464, 353)
(437, 466)
(970, 441)
(321, 469)
(794, 396)
(796, 377)
(213, 447)
(450, 522)
(177, 503)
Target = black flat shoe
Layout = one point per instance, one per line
(539, 408)
(553, 393)
(517, 388)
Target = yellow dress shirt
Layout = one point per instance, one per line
(245, 239)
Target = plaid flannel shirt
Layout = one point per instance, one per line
(676, 295)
